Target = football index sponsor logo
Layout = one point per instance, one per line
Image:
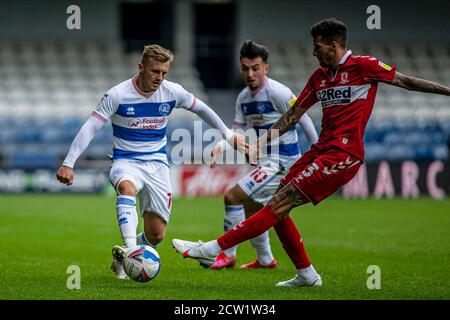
(134, 123)
(146, 123)
(255, 120)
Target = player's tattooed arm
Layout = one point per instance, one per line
(286, 122)
(417, 84)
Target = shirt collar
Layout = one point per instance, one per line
(342, 61)
(138, 90)
(345, 56)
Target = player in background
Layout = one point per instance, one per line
(259, 106)
(139, 110)
(346, 86)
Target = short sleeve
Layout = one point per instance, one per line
(107, 106)
(308, 97)
(373, 69)
(283, 98)
(239, 118)
(184, 99)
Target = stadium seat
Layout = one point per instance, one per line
(49, 99)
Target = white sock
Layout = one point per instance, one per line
(212, 248)
(142, 239)
(127, 219)
(308, 272)
(262, 245)
(234, 214)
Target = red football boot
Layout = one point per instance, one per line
(222, 261)
(257, 265)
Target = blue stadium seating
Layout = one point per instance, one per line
(41, 112)
(29, 142)
(407, 140)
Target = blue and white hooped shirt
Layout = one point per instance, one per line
(263, 109)
(139, 119)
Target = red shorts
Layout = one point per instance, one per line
(320, 173)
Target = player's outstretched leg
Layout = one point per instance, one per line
(253, 226)
(277, 209)
(195, 250)
(249, 228)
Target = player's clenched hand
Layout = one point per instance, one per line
(238, 142)
(251, 153)
(65, 175)
(216, 152)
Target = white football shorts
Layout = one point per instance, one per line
(261, 183)
(152, 182)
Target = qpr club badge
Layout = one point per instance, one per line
(164, 109)
(260, 108)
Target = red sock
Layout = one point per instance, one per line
(261, 221)
(292, 242)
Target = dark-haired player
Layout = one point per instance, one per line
(346, 86)
(259, 106)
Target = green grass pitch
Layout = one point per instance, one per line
(41, 235)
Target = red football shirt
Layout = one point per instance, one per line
(347, 96)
